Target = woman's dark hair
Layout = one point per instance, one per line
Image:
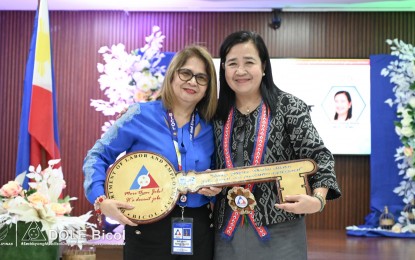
(349, 98)
(268, 89)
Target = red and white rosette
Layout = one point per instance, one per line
(241, 200)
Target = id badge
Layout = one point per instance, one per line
(182, 236)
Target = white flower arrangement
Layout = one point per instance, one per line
(402, 75)
(41, 203)
(127, 78)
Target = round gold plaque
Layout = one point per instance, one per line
(145, 180)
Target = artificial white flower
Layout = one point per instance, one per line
(407, 131)
(127, 78)
(406, 120)
(410, 173)
(402, 74)
(398, 130)
(412, 101)
(41, 203)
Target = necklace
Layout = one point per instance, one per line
(246, 109)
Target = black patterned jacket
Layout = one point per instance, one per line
(292, 135)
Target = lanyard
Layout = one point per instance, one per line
(173, 131)
(261, 139)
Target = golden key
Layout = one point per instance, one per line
(149, 182)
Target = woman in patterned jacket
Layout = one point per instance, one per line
(249, 100)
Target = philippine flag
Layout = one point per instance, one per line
(38, 136)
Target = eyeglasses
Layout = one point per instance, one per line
(186, 75)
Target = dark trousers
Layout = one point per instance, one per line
(154, 240)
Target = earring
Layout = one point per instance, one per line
(263, 74)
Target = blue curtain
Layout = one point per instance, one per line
(383, 167)
(384, 172)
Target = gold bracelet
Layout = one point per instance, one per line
(321, 198)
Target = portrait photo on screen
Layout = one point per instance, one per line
(344, 104)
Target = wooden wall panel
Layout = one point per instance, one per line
(353, 176)
(77, 36)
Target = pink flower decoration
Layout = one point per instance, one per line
(11, 189)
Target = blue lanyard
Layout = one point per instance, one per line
(173, 131)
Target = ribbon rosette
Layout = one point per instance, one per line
(241, 200)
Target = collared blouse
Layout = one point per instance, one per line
(144, 127)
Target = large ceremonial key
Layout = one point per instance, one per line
(149, 182)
